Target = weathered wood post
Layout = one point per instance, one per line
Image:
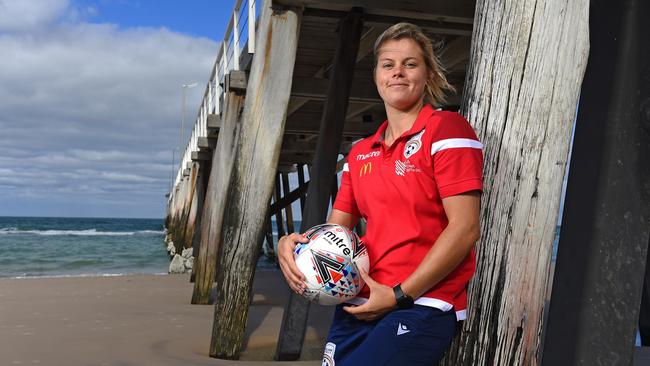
(521, 91)
(256, 158)
(191, 204)
(201, 187)
(215, 199)
(606, 223)
(279, 221)
(294, 319)
(286, 190)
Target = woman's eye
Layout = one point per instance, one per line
(387, 66)
(411, 64)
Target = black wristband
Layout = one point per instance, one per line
(404, 301)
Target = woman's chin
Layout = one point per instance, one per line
(401, 104)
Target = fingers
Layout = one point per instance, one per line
(362, 312)
(294, 277)
(366, 278)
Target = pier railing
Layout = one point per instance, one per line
(239, 37)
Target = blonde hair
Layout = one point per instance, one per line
(436, 84)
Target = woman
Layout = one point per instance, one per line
(417, 182)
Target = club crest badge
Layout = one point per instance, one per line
(413, 145)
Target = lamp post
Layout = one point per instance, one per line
(183, 87)
(171, 183)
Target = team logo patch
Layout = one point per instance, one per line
(413, 145)
(403, 167)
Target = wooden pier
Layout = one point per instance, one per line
(292, 89)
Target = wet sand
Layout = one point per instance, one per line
(137, 320)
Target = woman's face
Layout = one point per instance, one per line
(400, 73)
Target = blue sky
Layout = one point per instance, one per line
(198, 18)
(90, 100)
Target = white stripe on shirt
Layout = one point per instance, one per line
(454, 143)
(346, 168)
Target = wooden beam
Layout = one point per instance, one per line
(513, 85)
(299, 126)
(257, 150)
(316, 89)
(459, 11)
(215, 200)
(601, 256)
(201, 189)
(277, 193)
(201, 155)
(214, 121)
(288, 198)
(294, 318)
(365, 47)
(236, 81)
(288, 211)
(207, 143)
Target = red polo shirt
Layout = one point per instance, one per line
(399, 191)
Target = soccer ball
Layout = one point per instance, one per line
(331, 262)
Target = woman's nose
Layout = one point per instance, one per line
(398, 71)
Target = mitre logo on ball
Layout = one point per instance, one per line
(331, 262)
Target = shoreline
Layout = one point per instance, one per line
(138, 319)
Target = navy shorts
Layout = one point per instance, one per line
(417, 336)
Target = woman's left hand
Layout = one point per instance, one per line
(381, 301)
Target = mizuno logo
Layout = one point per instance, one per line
(365, 169)
(402, 329)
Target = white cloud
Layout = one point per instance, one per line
(92, 109)
(17, 15)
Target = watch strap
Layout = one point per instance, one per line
(403, 300)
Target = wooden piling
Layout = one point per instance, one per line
(256, 155)
(601, 258)
(279, 221)
(215, 199)
(521, 91)
(294, 319)
(201, 187)
(191, 207)
(288, 211)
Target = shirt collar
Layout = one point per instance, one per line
(418, 125)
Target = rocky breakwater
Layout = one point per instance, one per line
(180, 263)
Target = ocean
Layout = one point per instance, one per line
(57, 246)
(63, 246)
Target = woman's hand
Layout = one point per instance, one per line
(381, 301)
(295, 279)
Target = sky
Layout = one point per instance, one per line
(90, 101)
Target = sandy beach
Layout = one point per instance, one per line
(137, 320)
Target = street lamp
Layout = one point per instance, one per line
(183, 87)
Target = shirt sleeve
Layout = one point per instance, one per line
(345, 200)
(457, 157)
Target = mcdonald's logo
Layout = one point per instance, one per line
(365, 169)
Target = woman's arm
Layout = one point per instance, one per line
(452, 246)
(343, 218)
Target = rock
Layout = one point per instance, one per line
(189, 262)
(187, 253)
(171, 249)
(177, 265)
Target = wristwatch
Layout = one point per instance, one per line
(404, 301)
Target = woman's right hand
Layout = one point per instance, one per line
(295, 279)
